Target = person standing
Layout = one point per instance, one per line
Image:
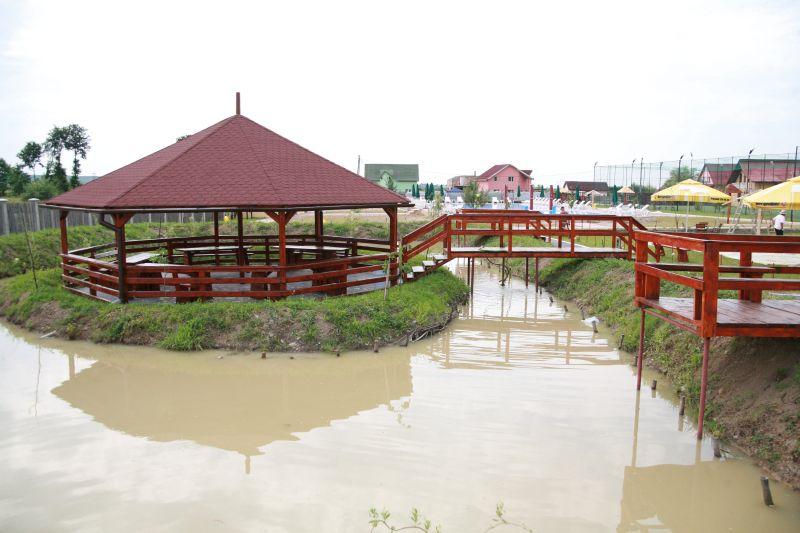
(778, 222)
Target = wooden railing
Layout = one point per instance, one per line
(455, 230)
(92, 271)
(711, 276)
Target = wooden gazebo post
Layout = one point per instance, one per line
(318, 225)
(62, 221)
(392, 212)
(240, 238)
(118, 227)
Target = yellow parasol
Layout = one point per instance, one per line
(784, 195)
(690, 191)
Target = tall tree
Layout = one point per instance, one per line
(77, 141)
(12, 179)
(54, 145)
(31, 156)
(675, 177)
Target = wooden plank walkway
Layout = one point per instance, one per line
(768, 318)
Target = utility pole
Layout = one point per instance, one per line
(632, 163)
(594, 169)
(358, 167)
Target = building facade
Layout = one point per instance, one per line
(402, 175)
(504, 176)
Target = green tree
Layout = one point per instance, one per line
(54, 146)
(473, 196)
(5, 171)
(76, 141)
(519, 191)
(686, 173)
(441, 190)
(31, 156)
(12, 179)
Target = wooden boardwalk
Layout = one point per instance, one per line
(735, 318)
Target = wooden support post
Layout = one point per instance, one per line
(526, 271)
(392, 213)
(240, 238)
(710, 284)
(765, 492)
(62, 222)
(318, 226)
(703, 387)
(118, 227)
(640, 357)
(536, 273)
(216, 228)
(745, 260)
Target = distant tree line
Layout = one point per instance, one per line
(428, 192)
(14, 181)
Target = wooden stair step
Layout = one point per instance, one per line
(429, 263)
(440, 257)
(417, 269)
(410, 275)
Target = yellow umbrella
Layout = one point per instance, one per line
(784, 195)
(690, 191)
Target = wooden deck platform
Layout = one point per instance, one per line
(735, 318)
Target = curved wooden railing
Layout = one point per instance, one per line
(92, 271)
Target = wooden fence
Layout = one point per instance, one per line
(15, 217)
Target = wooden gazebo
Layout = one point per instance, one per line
(235, 166)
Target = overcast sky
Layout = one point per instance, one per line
(453, 86)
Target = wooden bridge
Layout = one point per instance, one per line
(561, 233)
(704, 313)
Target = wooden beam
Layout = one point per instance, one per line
(62, 221)
(392, 213)
(119, 234)
(319, 229)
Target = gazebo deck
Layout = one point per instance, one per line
(768, 318)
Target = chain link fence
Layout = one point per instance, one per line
(715, 171)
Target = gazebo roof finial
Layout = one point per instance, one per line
(238, 104)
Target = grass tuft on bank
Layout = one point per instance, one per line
(294, 324)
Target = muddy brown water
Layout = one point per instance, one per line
(516, 401)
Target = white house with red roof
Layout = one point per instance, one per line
(504, 176)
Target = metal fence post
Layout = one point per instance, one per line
(34, 204)
(4, 216)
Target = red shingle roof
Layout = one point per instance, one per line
(234, 163)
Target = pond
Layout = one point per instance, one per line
(517, 401)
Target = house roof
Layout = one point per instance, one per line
(236, 163)
(586, 186)
(767, 170)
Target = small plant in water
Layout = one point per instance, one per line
(379, 521)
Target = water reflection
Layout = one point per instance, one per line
(233, 405)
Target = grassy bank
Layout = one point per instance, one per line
(295, 324)
(15, 259)
(754, 389)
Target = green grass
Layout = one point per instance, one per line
(294, 324)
